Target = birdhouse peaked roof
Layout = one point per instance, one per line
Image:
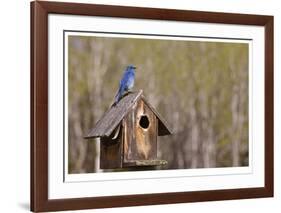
(114, 115)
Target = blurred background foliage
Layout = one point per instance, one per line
(200, 88)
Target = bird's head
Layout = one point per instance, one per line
(131, 67)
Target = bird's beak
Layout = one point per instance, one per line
(135, 67)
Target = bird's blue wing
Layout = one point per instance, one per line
(126, 83)
(128, 80)
(120, 90)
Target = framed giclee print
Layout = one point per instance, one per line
(138, 106)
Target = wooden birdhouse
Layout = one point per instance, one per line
(128, 133)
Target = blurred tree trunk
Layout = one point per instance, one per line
(96, 90)
(238, 101)
(235, 126)
(194, 133)
(209, 141)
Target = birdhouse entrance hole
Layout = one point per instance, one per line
(144, 122)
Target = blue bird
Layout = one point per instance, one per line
(126, 83)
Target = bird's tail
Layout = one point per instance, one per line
(117, 97)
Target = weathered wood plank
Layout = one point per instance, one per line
(113, 116)
(145, 163)
(163, 127)
(140, 143)
(111, 152)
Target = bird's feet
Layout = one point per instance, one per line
(129, 91)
